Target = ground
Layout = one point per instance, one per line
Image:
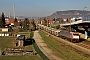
(44, 48)
(8, 42)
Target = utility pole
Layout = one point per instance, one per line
(70, 25)
(83, 13)
(47, 21)
(55, 16)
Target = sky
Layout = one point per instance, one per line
(41, 8)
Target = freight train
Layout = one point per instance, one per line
(72, 36)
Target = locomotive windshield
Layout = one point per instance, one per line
(76, 34)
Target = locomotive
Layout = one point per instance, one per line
(72, 36)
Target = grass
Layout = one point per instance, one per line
(20, 57)
(25, 33)
(31, 34)
(8, 42)
(61, 50)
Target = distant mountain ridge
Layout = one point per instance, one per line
(69, 14)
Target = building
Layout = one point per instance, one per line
(50, 21)
(9, 21)
(4, 32)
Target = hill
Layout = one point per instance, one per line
(69, 14)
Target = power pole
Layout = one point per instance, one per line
(70, 25)
(83, 13)
(47, 21)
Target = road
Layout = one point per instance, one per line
(44, 48)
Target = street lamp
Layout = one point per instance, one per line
(83, 13)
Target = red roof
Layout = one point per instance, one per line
(50, 21)
(11, 20)
(7, 22)
(43, 21)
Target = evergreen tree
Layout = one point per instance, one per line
(1, 22)
(3, 19)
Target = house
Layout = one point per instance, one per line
(50, 21)
(9, 21)
(42, 21)
(3, 29)
(3, 32)
(12, 22)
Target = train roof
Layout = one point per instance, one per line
(75, 32)
(57, 30)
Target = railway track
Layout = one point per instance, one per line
(83, 45)
(79, 46)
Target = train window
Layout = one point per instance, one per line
(79, 19)
(75, 19)
(73, 30)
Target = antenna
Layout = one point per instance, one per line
(14, 11)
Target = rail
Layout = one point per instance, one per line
(77, 47)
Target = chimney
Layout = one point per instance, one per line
(14, 11)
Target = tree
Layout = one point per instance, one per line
(54, 19)
(33, 24)
(3, 19)
(26, 24)
(61, 20)
(1, 22)
(45, 21)
(15, 22)
(21, 24)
